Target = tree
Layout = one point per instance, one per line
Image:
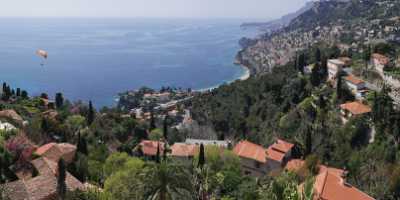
(44, 96)
(167, 181)
(59, 100)
(315, 75)
(339, 89)
(202, 159)
(61, 184)
(324, 68)
(24, 94)
(302, 63)
(158, 159)
(91, 114)
(82, 145)
(165, 127)
(18, 93)
(318, 55)
(152, 120)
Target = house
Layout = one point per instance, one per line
(335, 66)
(253, 158)
(258, 161)
(349, 110)
(182, 150)
(56, 151)
(357, 86)
(149, 148)
(43, 186)
(278, 154)
(330, 183)
(220, 143)
(380, 62)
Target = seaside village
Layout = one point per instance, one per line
(39, 183)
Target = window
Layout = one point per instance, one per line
(257, 164)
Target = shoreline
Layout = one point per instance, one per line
(245, 75)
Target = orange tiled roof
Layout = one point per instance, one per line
(295, 165)
(356, 108)
(54, 151)
(381, 58)
(275, 155)
(250, 150)
(282, 146)
(184, 150)
(354, 80)
(149, 147)
(329, 186)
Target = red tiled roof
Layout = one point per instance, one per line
(354, 80)
(275, 155)
(295, 165)
(149, 147)
(356, 108)
(54, 151)
(381, 58)
(282, 146)
(184, 150)
(329, 186)
(250, 150)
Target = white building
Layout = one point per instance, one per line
(334, 67)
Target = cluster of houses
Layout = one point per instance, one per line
(40, 182)
(257, 161)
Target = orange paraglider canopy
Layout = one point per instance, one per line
(42, 53)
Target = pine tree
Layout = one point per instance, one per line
(91, 114)
(59, 100)
(61, 185)
(202, 159)
(24, 94)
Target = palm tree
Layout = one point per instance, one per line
(165, 181)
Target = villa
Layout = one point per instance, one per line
(380, 62)
(335, 66)
(353, 109)
(357, 86)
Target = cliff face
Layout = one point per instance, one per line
(346, 24)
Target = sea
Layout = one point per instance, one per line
(95, 59)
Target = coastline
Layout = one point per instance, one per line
(245, 75)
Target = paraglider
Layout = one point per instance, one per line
(43, 54)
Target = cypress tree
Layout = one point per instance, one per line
(339, 91)
(18, 92)
(82, 145)
(318, 55)
(165, 127)
(90, 116)
(158, 153)
(315, 75)
(59, 100)
(302, 62)
(152, 120)
(202, 159)
(165, 151)
(61, 185)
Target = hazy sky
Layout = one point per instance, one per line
(149, 8)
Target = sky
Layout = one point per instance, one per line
(249, 9)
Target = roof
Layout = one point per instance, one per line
(282, 146)
(354, 80)
(329, 186)
(356, 108)
(223, 143)
(346, 60)
(184, 150)
(54, 151)
(381, 58)
(336, 61)
(43, 186)
(275, 155)
(11, 114)
(250, 150)
(150, 147)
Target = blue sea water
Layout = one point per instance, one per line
(95, 59)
